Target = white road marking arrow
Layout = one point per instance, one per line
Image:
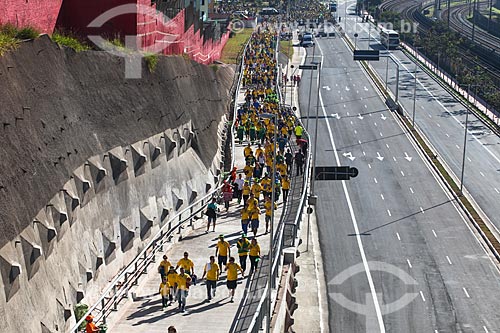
(327, 88)
(380, 158)
(360, 117)
(383, 117)
(408, 158)
(349, 156)
(336, 115)
(365, 88)
(347, 88)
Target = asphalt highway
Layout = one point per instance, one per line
(442, 119)
(413, 264)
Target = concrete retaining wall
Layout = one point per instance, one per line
(91, 166)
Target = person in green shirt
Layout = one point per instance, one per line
(243, 250)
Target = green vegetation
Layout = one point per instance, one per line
(286, 47)
(27, 33)
(80, 310)
(235, 45)
(11, 36)
(214, 67)
(151, 61)
(68, 40)
(446, 47)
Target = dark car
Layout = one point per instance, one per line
(307, 40)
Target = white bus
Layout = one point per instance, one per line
(389, 38)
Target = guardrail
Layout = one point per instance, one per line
(119, 288)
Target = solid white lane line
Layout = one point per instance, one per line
(402, 173)
(411, 190)
(373, 292)
(397, 235)
(482, 174)
(434, 233)
(422, 295)
(466, 293)
(449, 261)
(375, 180)
(422, 210)
(389, 212)
(369, 166)
(382, 196)
(409, 263)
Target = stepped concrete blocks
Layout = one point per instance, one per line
(72, 204)
(139, 159)
(83, 185)
(10, 270)
(98, 173)
(170, 145)
(44, 328)
(208, 186)
(156, 150)
(46, 233)
(32, 252)
(163, 207)
(59, 218)
(80, 295)
(146, 219)
(109, 248)
(176, 199)
(119, 165)
(127, 233)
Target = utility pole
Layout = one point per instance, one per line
(474, 21)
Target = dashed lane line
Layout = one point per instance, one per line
(422, 295)
(411, 190)
(409, 263)
(466, 293)
(397, 235)
(434, 233)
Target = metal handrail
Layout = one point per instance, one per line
(144, 258)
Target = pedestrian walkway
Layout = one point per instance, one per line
(145, 313)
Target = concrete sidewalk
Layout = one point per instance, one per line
(145, 313)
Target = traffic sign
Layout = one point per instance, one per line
(308, 67)
(370, 55)
(335, 173)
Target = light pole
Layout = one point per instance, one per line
(273, 194)
(415, 91)
(397, 76)
(465, 139)
(310, 88)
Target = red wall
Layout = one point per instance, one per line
(41, 14)
(155, 32)
(76, 15)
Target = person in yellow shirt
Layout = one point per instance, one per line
(246, 191)
(172, 281)
(268, 206)
(222, 251)
(254, 255)
(247, 151)
(164, 292)
(252, 202)
(164, 266)
(266, 185)
(245, 218)
(211, 270)
(232, 276)
(183, 283)
(285, 187)
(254, 219)
(248, 170)
(256, 188)
(282, 169)
(186, 263)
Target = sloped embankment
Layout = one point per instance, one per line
(91, 164)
